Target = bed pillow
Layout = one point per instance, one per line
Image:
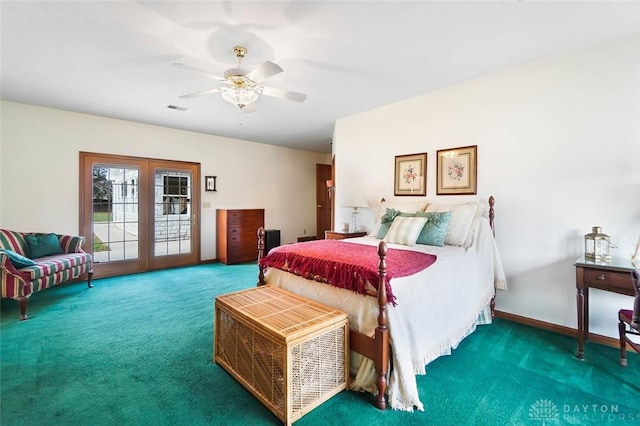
(41, 245)
(435, 230)
(384, 222)
(18, 260)
(403, 207)
(459, 231)
(387, 219)
(405, 230)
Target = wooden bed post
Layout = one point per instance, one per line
(492, 215)
(381, 336)
(260, 256)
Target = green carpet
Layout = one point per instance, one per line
(137, 350)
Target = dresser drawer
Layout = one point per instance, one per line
(234, 230)
(240, 218)
(621, 280)
(235, 240)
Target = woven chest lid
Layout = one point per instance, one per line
(281, 313)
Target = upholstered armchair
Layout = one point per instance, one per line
(629, 322)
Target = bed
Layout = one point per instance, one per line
(401, 320)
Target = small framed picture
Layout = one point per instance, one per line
(457, 174)
(210, 183)
(411, 174)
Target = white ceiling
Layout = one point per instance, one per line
(114, 58)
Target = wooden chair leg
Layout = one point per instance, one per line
(623, 344)
(89, 276)
(22, 302)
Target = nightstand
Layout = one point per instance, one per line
(614, 276)
(339, 235)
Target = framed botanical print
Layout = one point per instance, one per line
(411, 174)
(457, 174)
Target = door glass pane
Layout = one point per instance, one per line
(172, 229)
(115, 213)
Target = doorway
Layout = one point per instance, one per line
(139, 214)
(324, 200)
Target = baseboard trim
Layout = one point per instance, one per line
(560, 329)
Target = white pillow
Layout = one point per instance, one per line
(459, 232)
(405, 230)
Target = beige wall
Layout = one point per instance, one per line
(559, 148)
(39, 170)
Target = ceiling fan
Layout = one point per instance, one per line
(242, 88)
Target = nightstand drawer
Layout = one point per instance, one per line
(336, 235)
(613, 279)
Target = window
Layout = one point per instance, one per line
(175, 194)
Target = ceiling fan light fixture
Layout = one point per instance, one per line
(242, 88)
(240, 96)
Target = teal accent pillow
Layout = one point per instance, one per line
(435, 230)
(387, 219)
(18, 260)
(41, 245)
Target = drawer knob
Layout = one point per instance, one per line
(601, 277)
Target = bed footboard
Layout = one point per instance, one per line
(376, 347)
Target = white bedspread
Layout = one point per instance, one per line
(436, 308)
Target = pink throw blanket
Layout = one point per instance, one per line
(345, 265)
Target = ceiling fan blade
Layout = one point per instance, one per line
(278, 93)
(264, 71)
(204, 92)
(199, 71)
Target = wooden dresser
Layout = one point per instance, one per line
(237, 239)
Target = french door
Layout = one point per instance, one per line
(139, 214)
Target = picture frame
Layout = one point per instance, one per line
(457, 171)
(411, 175)
(210, 183)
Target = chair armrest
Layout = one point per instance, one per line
(6, 264)
(15, 283)
(71, 243)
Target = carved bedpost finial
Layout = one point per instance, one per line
(492, 213)
(382, 286)
(260, 255)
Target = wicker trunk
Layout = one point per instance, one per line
(291, 353)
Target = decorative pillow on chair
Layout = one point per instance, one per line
(405, 230)
(434, 232)
(41, 245)
(18, 260)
